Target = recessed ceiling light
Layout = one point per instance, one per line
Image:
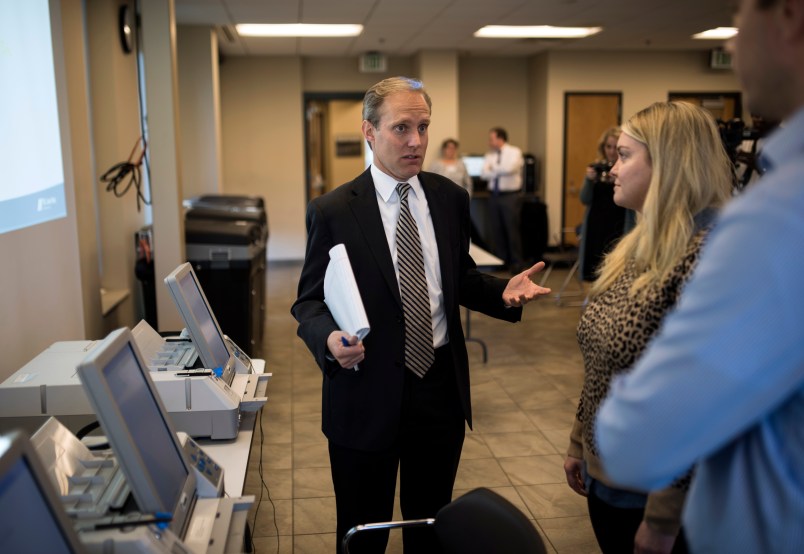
(719, 33)
(535, 31)
(297, 30)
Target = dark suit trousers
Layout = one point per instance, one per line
(506, 236)
(426, 453)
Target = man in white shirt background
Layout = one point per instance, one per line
(502, 169)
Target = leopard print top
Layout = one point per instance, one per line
(612, 332)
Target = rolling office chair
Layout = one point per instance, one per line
(479, 522)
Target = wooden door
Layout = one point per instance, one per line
(586, 117)
(326, 146)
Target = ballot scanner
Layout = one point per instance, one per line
(199, 402)
(32, 519)
(163, 476)
(204, 402)
(215, 349)
(153, 491)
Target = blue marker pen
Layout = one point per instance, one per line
(346, 343)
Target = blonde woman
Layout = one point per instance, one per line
(673, 171)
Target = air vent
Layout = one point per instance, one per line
(228, 33)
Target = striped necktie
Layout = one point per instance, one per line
(419, 354)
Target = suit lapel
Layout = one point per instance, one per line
(367, 214)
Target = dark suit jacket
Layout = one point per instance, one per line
(361, 409)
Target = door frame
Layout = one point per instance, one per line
(564, 176)
(307, 98)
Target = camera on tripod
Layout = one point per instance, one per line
(733, 133)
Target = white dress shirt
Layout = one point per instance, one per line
(505, 165)
(388, 202)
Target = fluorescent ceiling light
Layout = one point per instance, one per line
(297, 30)
(720, 33)
(535, 31)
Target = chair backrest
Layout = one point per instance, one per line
(482, 521)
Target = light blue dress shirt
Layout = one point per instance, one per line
(723, 382)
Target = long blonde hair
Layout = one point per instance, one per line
(690, 172)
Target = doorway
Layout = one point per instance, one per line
(586, 116)
(335, 151)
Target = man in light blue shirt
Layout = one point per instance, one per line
(722, 386)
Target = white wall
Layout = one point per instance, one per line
(493, 92)
(343, 75)
(263, 144)
(439, 74)
(537, 110)
(115, 115)
(199, 98)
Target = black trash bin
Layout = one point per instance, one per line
(226, 240)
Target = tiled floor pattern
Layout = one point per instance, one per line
(523, 400)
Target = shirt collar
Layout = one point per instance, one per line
(787, 142)
(704, 218)
(385, 185)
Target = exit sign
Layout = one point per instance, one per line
(720, 59)
(373, 62)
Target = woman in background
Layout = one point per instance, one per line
(451, 166)
(604, 222)
(673, 170)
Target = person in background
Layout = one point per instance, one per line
(722, 385)
(405, 406)
(451, 166)
(749, 153)
(604, 221)
(502, 169)
(673, 170)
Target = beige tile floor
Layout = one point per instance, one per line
(523, 400)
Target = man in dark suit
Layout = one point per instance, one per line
(390, 413)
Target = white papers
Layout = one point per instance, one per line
(342, 296)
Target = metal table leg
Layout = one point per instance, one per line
(469, 338)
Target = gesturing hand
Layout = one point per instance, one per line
(521, 290)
